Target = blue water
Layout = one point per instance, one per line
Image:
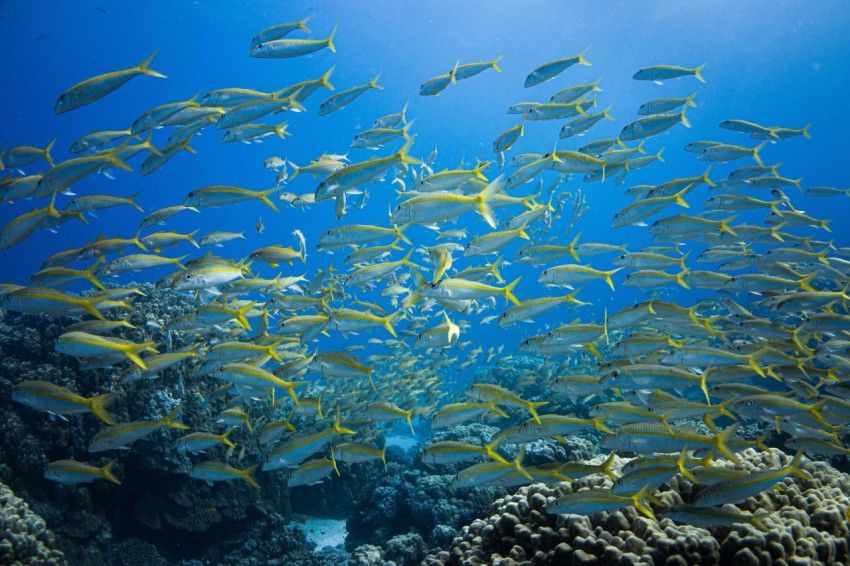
(773, 63)
(787, 69)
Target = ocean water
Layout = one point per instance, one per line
(775, 64)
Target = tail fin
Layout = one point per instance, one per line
(97, 405)
(582, 60)
(532, 409)
(53, 141)
(264, 196)
(246, 475)
(508, 291)
(106, 472)
(495, 65)
(169, 419)
(486, 196)
(374, 83)
(330, 39)
(144, 68)
(698, 74)
(323, 80)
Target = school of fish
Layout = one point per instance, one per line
(769, 344)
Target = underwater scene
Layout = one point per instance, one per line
(439, 283)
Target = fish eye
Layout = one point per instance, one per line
(615, 373)
(750, 403)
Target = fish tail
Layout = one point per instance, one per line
(400, 234)
(280, 129)
(608, 277)
(690, 101)
(680, 463)
(453, 72)
(338, 428)
(106, 472)
(484, 198)
(795, 469)
(146, 70)
(698, 73)
(582, 60)
(88, 305)
(323, 81)
(532, 406)
(388, 323)
(599, 425)
(508, 291)
(756, 520)
(225, 438)
(240, 316)
(720, 440)
(637, 502)
(53, 141)
(494, 64)
(756, 152)
(264, 196)
(572, 248)
(330, 39)
(407, 416)
(97, 405)
(606, 467)
(295, 167)
(680, 280)
(403, 153)
(805, 131)
(495, 409)
(246, 475)
(374, 83)
(490, 451)
(494, 269)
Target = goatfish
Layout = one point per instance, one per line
(199, 441)
(357, 453)
(385, 411)
(549, 70)
(312, 472)
(281, 30)
(97, 87)
(497, 394)
(714, 516)
(452, 452)
(658, 73)
(345, 97)
(218, 195)
(122, 434)
(736, 490)
(58, 400)
(298, 448)
(487, 472)
(590, 501)
(85, 345)
(213, 470)
(285, 48)
(71, 472)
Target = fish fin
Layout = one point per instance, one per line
(264, 196)
(331, 38)
(146, 70)
(246, 475)
(508, 291)
(106, 472)
(97, 405)
(698, 73)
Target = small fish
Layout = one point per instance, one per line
(57, 400)
(72, 472)
(213, 470)
(549, 70)
(658, 73)
(97, 87)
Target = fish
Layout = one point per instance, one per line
(218, 195)
(286, 48)
(280, 30)
(122, 434)
(736, 490)
(549, 71)
(97, 87)
(658, 73)
(83, 344)
(58, 400)
(345, 97)
(72, 472)
(213, 470)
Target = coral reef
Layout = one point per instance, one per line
(25, 538)
(807, 523)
